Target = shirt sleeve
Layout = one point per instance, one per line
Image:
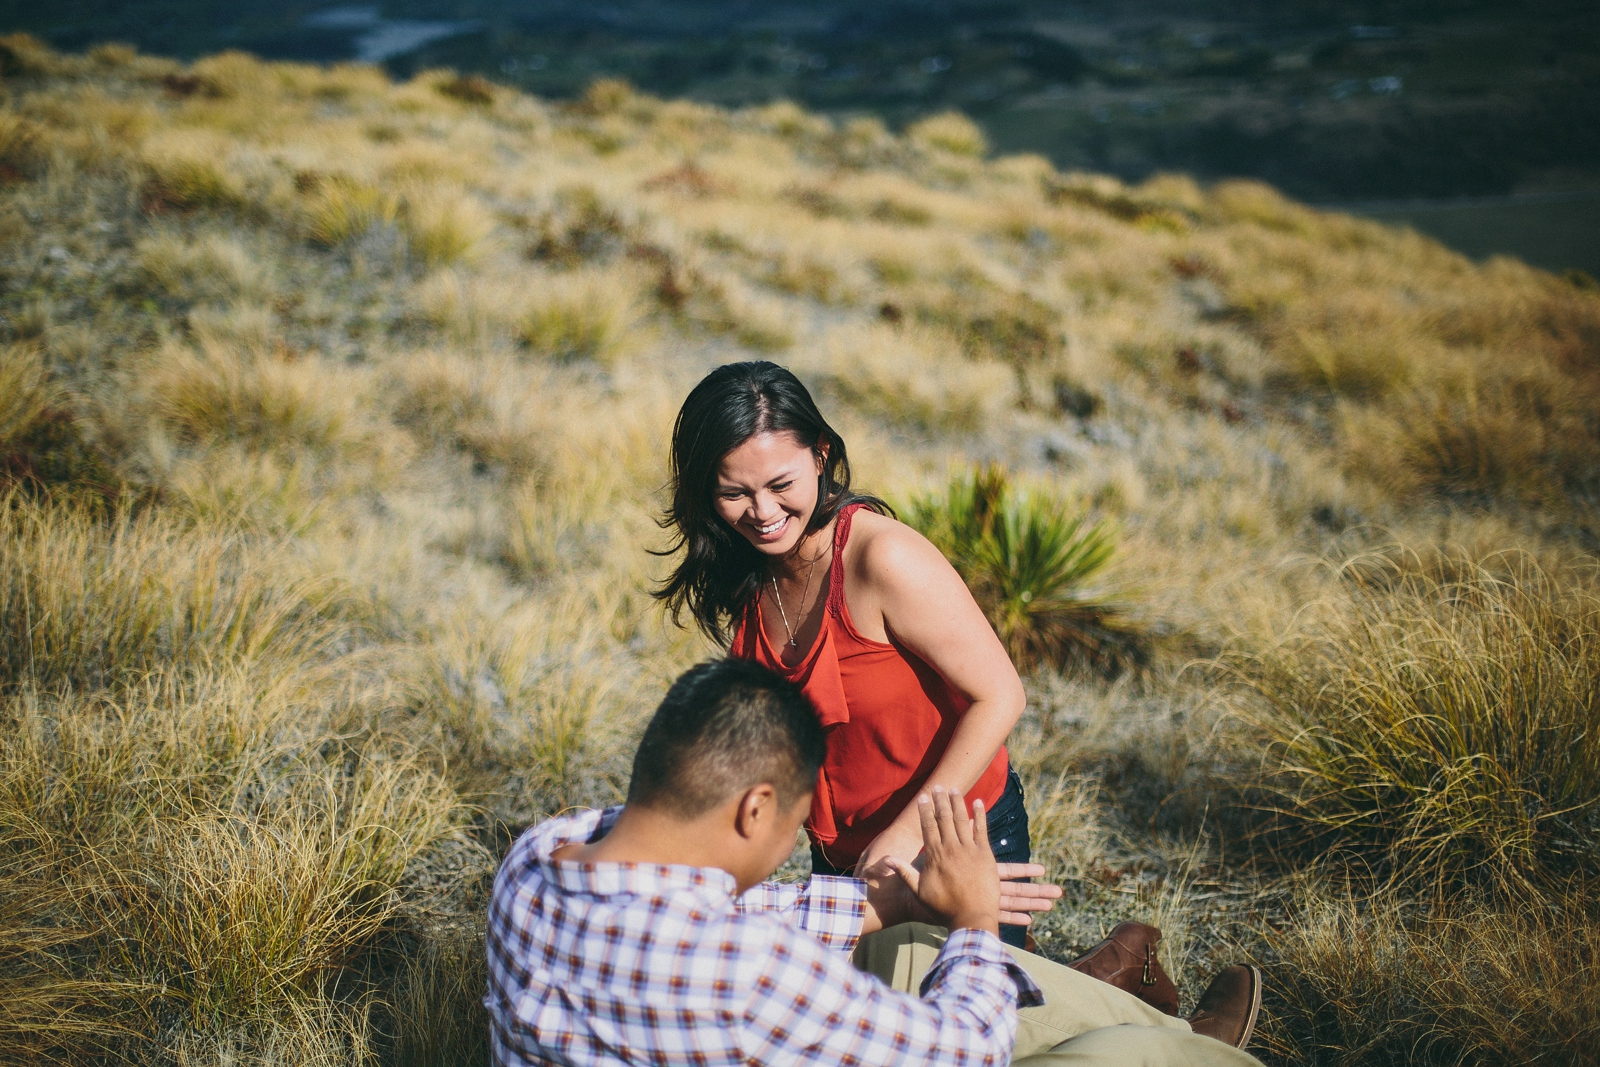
(808, 1005)
(830, 909)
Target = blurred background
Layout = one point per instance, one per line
(1475, 122)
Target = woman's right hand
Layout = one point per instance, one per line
(959, 881)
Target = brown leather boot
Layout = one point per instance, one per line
(1228, 1008)
(1127, 960)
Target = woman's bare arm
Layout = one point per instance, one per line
(899, 586)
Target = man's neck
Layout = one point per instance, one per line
(645, 835)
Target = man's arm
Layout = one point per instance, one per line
(840, 911)
(809, 1005)
(833, 910)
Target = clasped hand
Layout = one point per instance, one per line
(955, 882)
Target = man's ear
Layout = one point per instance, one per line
(757, 808)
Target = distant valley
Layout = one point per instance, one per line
(1339, 103)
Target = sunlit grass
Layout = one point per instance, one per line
(1444, 729)
(1389, 981)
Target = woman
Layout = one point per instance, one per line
(786, 566)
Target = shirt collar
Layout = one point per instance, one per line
(717, 886)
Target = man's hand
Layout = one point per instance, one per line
(893, 901)
(960, 881)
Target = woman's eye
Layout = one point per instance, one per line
(782, 487)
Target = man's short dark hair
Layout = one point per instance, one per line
(723, 727)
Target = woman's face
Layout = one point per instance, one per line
(767, 489)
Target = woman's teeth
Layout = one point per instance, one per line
(773, 527)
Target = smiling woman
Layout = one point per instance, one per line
(782, 563)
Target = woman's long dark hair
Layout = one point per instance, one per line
(721, 572)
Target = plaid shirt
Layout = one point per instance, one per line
(620, 963)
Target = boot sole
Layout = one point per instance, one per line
(1255, 1006)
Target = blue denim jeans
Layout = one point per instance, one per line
(1008, 837)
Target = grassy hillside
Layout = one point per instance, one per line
(332, 423)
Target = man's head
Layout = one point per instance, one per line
(731, 734)
(723, 727)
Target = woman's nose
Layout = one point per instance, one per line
(764, 506)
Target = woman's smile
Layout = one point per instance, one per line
(774, 530)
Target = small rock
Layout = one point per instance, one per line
(1106, 433)
(1060, 450)
(1073, 399)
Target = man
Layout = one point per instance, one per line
(647, 934)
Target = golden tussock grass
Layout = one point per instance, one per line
(188, 169)
(222, 394)
(579, 316)
(445, 225)
(232, 484)
(479, 405)
(1387, 981)
(913, 379)
(24, 393)
(332, 426)
(1443, 728)
(342, 208)
(210, 265)
(85, 605)
(225, 866)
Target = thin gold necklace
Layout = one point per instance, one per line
(805, 595)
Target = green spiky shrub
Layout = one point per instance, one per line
(1031, 563)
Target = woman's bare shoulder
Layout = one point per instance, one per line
(886, 547)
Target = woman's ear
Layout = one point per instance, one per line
(820, 452)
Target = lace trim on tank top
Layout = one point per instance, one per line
(841, 534)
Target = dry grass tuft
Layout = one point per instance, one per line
(210, 265)
(445, 226)
(20, 145)
(83, 605)
(914, 381)
(43, 440)
(25, 395)
(267, 400)
(468, 89)
(579, 316)
(528, 710)
(1442, 729)
(950, 131)
(342, 208)
(439, 1007)
(1065, 824)
(578, 228)
(226, 866)
(480, 406)
(188, 171)
(1384, 981)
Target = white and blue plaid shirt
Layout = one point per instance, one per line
(621, 963)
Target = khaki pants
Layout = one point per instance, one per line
(1083, 1022)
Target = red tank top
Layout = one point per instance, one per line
(887, 714)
